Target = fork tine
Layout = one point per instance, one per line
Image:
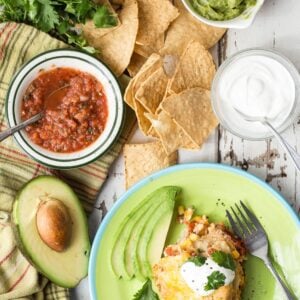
(234, 226)
(242, 226)
(248, 224)
(252, 217)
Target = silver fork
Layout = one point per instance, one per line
(246, 226)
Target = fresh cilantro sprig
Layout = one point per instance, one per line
(104, 18)
(215, 280)
(146, 292)
(197, 260)
(58, 17)
(224, 260)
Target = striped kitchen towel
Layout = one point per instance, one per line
(18, 279)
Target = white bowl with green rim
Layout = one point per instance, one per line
(244, 20)
(83, 62)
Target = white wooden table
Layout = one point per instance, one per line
(277, 26)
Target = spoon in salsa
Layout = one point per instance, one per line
(285, 145)
(50, 101)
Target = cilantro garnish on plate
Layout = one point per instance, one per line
(215, 280)
(224, 260)
(197, 260)
(58, 17)
(146, 292)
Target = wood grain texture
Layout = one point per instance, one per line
(277, 26)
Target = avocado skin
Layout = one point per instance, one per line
(20, 239)
(165, 197)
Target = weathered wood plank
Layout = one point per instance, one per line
(277, 27)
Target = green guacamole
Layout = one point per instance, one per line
(220, 10)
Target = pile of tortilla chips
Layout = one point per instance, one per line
(164, 48)
(170, 90)
(171, 97)
(146, 27)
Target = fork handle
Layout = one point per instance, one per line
(286, 290)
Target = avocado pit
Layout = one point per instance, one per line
(54, 224)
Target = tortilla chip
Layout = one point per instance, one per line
(155, 17)
(186, 28)
(152, 90)
(136, 63)
(116, 47)
(192, 111)
(89, 29)
(117, 2)
(171, 135)
(146, 51)
(169, 63)
(195, 68)
(152, 132)
(143, 122)
(153, 63)
(142, 160)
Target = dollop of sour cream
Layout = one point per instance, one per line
(258, 86)
(196, 277)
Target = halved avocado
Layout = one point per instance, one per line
(64, 262)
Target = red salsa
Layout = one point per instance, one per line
(75, 109)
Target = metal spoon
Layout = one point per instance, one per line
(285, 145)
(8, 132)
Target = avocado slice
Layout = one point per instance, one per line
(152, 243)
(65, 268)
(161, 218)
(127, 237)
(121, 239)
(131, 247)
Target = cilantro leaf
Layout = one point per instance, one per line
(197, 260)
(215, 280)
(146, 292)
(224, 260)
(11, 10)
(58, 17)
(47, 15)
(63, 27)
(89, 49)
(81, 10)
(104, 18)
(33, 9)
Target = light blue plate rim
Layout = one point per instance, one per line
(181, 167)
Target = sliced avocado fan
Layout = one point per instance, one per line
(67, 266)
(146, 225)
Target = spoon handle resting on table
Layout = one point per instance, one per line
(286, 146)
(8, 132)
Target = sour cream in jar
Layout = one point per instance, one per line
(258, 83)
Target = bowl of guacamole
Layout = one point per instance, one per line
(224, 13)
